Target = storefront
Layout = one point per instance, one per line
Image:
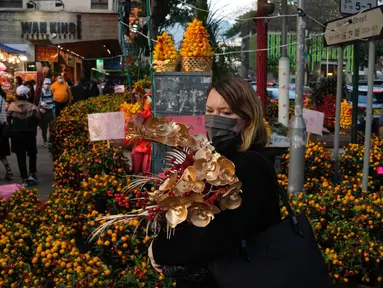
(60, 42)
(11, 61)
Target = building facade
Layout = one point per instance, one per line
(320, 60)
(65, 34)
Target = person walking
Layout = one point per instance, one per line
(80, 91)
(4, 139)
(47, 105)
(235, 125)
(23, 118)
(31, 97)
(61, 94)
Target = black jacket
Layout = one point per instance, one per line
(259, 210)
(80, 92)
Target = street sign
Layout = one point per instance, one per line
(355, 6)
(366, 25)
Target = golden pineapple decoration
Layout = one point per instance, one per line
(196, 50)
(196, 41)
(165, 54)
(345, 117)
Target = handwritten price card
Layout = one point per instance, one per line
(314, 121)
(106, 126)
(119, 89)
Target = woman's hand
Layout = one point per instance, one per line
(154, 264)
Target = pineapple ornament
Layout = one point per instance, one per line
(345, 118)
(196, 51)
(165, 54)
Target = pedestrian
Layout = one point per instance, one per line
(4, 139)
(108, 88)
(23, 118)
(47, 105)
(61, 94)
(375, 124)
(19, 81)
(30, 84)
(80, 91)
(234, 123)
(3, 94)
(93, 89)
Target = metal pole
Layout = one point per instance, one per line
(367, 137)
(298, 127)
(327, 62)
(283, 103)
(338, 102)
(125, 52)
(284, 29)
(261, 64)
(284, 73)
(355, 93)
(150, 44)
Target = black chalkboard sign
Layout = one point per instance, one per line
(177, 94)
(180, 93)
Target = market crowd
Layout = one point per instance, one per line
(35, 107)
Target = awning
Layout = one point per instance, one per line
(94, 49)
(11, 50)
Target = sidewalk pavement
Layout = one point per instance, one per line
(44, 170)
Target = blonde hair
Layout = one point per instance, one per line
(244, 102)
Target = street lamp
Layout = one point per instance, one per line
(59, 3)
(31, 5)
(134, 28)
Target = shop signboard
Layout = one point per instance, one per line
(46, 53)
(100, 65)
(31, 66)
(41, 30)
(26, 75)
(181, 97)
(112, 63)
(181, 94)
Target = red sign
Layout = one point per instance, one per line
(46, 53)
(196, 124)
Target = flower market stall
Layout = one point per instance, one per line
(49, 246)
(94, 230)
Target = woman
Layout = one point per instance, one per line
(23, 118)
(235, 125)
(4, 141)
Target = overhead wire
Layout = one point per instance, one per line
(238, 18)
(255, 50)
